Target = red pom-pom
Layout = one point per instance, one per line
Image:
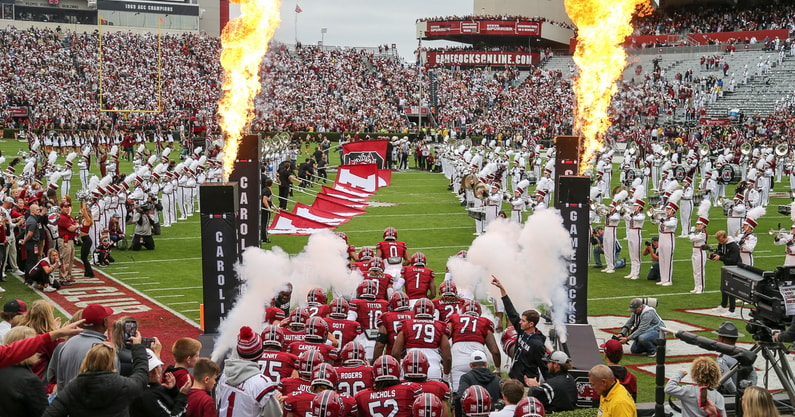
(246, 333)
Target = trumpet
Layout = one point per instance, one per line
(780, 233)
(656, 214)
(601, 209)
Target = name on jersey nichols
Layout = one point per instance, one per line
(481, 58)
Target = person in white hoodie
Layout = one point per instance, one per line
(243, 390)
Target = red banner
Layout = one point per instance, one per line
(483, 27)
(291, 224)
(358, 198)
(360, 178)
(340, 201)
(518, 59)
(332, 207)
(365, 152)
(320, 216)
(384, 177)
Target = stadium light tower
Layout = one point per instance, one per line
(323, 36)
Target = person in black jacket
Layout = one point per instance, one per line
(559, 391)
(728, 252)
(479, 374)
(528, 357)
(23, 393)
(165, 400)
(99, 389)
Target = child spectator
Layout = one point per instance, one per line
(103, 256)
(186, 352)
(205, 375)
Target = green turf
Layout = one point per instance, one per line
(429, 218)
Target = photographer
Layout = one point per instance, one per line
(727, 252)
(651, 250)
(143, 217)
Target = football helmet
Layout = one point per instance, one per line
(529, 407)
(415, 364)
(376, 264)
(386, 368)
(353, 353)
(343, 236)
(339, 308)
(272, 336)
(316, 296)
(427, 405)
(316, 330)
(508, 339)
(327, 403)
(399, 301)
(471, 308)
(418, 259)
(390, 233)
(365, 254)
(476, 401)
(325, 374)
(448, 289)
(298, 317)
(424, 309)
(307, 361)
(462, 254)
(367, 290)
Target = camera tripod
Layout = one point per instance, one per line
(776, 359)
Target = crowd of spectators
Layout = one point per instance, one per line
(710, 19)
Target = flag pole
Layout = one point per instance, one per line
(296, 24)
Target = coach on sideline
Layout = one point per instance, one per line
(528, 358)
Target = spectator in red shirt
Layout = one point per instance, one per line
(67, 229)
(205, 375)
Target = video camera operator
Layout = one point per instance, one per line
(727, 252)
(144, 218)
(787, 336)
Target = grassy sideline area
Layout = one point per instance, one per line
(430, 219)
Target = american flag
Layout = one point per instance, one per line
(298, 9)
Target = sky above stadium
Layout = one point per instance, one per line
(363, 22)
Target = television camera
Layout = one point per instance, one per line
(760, 289)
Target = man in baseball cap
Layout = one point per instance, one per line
(728, 334)
(559, 391)
(65, 365)
(11, 309)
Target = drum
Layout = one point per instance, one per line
(729, 174)
(477, 213)
(630, 175)
(654, 200)
(680, 173)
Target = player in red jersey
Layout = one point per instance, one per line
(316, 301)
(389, 396)
(366, 310)
(393, 251)
(427, 335)
(469, 331)
(324, 377)
(389, 323)
(448, 303)
(352, 255)
(307, 361)
(273, 315)
(294, 327)
(342, 329)
(385, 281)
(363, 264)
(316, 334)
(355, 373)
(419, 279)
(274, 363)
(415, 369)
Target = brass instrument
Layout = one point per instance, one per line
(703, 149)
(778, 232)
(632, 148)
(469, 181)
(481, 190)
(657, 214)
(601, 209)
(666, 149)
(619, 189)
(726, 204)
(745, 148)
(782, 149)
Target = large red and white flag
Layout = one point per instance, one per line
(340, 201)
(365, 152)
(298, 9)
(384, 177)
(320, 216)
(343, 194)
(363, 178)
(336, 208)
(292, 224)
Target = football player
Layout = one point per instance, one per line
(427, 335)
(389, 396)
(389, 323)
(419, 279)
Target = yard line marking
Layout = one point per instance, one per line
(148, 283)
(170, 296)
(175, 289)
(157, 260)
(190, 311)
(135, 278)
(185, 302)
(652, 295)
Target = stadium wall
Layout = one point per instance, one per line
(552, 9)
